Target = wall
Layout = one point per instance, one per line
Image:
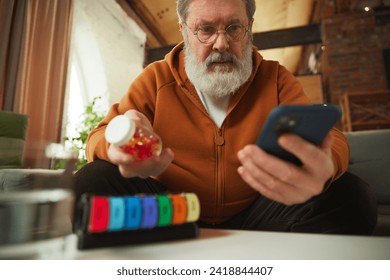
(108, 47)
(352, 58)
(107, 53)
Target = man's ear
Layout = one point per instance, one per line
(180, 26)
(251, 23)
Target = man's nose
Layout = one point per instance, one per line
(221, 42)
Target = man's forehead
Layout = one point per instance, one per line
(207, 11)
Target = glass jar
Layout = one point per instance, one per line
(137, 141)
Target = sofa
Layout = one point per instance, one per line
(13, 177)
(370, 160)
(35, 204)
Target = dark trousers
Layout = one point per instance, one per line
(347, 207)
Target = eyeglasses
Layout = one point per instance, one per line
(208, 34)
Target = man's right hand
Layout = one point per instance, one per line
(130, 167)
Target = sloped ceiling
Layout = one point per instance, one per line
(161, 20)
(158, 19)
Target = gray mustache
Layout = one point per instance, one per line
(220, 57)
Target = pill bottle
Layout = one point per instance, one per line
(137, 141)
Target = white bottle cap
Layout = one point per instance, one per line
(120, 130)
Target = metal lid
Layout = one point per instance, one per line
(34, 196)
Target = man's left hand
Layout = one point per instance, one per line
(283, 181)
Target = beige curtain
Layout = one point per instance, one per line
(42, 63)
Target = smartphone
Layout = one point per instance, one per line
(311, 122)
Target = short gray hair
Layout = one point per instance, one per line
(183, 9)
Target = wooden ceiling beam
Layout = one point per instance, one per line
(296, 36)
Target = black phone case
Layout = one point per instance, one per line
(311, 122)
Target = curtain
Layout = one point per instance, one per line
(12, 14)
(38, 86)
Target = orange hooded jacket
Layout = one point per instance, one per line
(206, 156)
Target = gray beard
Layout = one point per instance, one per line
(221, 82)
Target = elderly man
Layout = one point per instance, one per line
(208, 100)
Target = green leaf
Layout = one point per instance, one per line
(88, 121)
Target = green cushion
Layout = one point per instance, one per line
(13, 125)
(13, 128)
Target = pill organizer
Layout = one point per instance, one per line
(103, 221)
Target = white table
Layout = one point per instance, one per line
(239, 245)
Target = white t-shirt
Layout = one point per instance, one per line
(216, 107)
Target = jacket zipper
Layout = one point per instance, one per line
(219, 141)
